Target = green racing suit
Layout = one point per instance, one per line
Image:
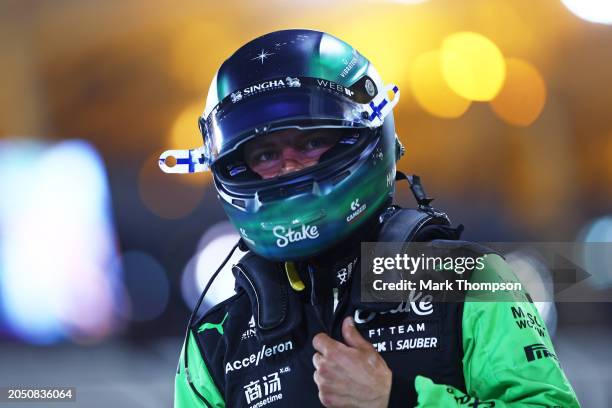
(504, 357)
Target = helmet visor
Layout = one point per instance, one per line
(252, 111)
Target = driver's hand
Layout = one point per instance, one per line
(352, 374)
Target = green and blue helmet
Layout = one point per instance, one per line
(298, 79)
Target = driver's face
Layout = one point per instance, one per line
(286, 151)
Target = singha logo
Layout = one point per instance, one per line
(293, 82)
(236, 96)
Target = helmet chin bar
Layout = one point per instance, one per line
(196, 160)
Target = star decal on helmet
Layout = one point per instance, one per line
(263, 54)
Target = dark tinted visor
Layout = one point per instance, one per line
(275, 105)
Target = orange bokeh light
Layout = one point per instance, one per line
(431, 91)
(523, 95)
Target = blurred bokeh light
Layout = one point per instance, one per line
(213, 247)
(57, 242)
(522, 98)
(431, 90)
(595, 11)
(596, 255)
(472, 65)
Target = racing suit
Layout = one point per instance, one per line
(465, 354)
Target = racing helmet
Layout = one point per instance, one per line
(305, 80)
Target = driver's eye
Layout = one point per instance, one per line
(313, 144)
(317, 142)
(265, 156)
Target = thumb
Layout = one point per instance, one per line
(351, 335)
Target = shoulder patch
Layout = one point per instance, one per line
(216, 326)
(216, 316)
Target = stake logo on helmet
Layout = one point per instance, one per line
(287, 236)
(302, 80)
